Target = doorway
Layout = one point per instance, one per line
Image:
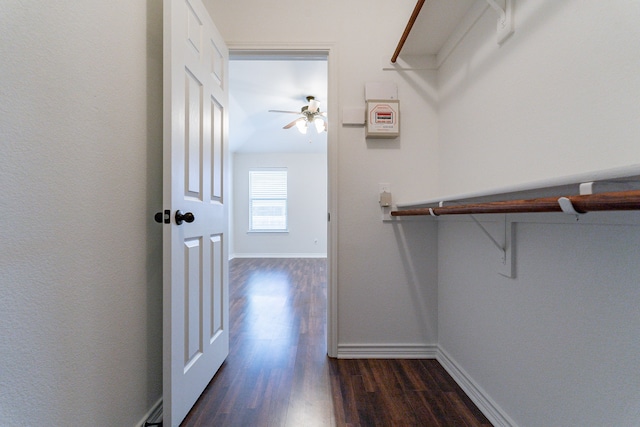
(282, 80)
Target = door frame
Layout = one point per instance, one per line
(309, 50)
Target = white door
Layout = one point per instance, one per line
(195, 276)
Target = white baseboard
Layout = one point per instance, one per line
(149, 412)
(263, 255)
(488, 407)
(387, 351)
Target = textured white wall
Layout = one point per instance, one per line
(80, 175)
(560, 97)
(559, 344)
(307, 206)
(386, 295)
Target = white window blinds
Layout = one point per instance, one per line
(268, 200)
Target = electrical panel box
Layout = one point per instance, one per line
(383, 118)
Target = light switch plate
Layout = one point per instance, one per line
(353, 116)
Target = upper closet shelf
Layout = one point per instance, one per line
(573, 205)
(618, 189)
(437, 26)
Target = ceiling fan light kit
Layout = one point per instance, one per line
(320, 124)
(310, 114)
(301, 124)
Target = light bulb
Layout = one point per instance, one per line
(301, 124)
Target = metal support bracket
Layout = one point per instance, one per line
(567, 207)
(506, 269)
(486, 233)
(506, 260)
(505, 265)
(505, 19)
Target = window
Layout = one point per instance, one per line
(268, 200)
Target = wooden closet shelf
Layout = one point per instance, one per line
(612, 201)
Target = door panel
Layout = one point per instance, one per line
(195, 289)
(193, 134)
(217, 293)
(193, 347)
(217, 113)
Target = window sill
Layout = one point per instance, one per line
(267, 231)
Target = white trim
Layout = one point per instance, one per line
(279, 255)
(489, 408)
(146, 416)
(387, 351)
(330, 51)
(332, 204)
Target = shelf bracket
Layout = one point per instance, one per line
(506, 261)
(505, 19)
(500, 247)
(568, 208)
(505, 266)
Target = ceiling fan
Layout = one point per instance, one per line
(310, 114)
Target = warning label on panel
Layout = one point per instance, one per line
(383, 114)
(383, 119)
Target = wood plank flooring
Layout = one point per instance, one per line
(278, 373)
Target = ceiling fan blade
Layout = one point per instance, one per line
(283, 111)
(292, 124)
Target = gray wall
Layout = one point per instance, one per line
(559, 344)
(558, 98)
(81, 176)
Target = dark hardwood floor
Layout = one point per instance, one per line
(278, 373)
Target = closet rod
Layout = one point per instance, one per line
(613, 201)
(407, 30)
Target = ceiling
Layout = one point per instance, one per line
(257, 85)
